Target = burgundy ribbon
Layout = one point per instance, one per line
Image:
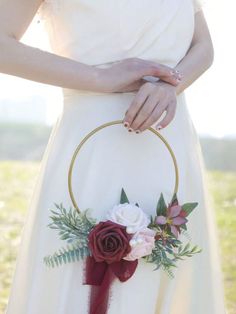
(100, 276)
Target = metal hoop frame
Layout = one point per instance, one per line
(102, 127)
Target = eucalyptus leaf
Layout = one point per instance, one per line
(70, 254)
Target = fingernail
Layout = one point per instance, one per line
(130, 130)
(159, 127)
(138, 131)
(126, 124)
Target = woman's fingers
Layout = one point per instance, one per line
(135, 106)
(149, 68)
(123, 74)
(148, 106)
(157, 68)
(168, 74)
(154, 116)
(173, 80)
(170, 114)
(145, 111)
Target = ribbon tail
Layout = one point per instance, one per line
(100, 294)
(100, 276)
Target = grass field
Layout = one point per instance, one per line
(17, 181)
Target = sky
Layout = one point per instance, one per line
(211, 99)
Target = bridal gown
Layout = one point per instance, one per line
(98, 33)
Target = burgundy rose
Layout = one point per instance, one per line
(109, 241)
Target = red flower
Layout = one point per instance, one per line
(109, 242)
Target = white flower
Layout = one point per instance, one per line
(129, 215)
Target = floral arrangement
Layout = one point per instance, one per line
(112, 248)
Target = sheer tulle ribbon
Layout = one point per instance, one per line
(100, 276)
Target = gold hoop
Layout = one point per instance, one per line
(106, 125)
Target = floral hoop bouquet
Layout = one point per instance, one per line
(112, 248)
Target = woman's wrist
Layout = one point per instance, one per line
(167, 85)
(94, 83)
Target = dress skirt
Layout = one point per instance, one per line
(111, 159)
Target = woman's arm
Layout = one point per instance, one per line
(32, 63)
(153, 99)
(200, 55)
(35, 64)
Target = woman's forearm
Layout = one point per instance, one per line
(199, 57)
(41, 66)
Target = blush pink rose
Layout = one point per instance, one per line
(142, 244)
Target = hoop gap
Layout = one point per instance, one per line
(96, 130)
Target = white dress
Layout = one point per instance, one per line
(98, 32)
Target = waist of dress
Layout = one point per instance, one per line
(74, 92)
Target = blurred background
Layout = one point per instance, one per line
(28, 111)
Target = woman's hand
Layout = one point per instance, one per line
(127, 75)
(148, 105)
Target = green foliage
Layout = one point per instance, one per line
(71, 254)
(160, 258)
(189, 207)
(123, 197)
(166, 255)
(168, 250)
(16, 182)
(73, 227)
(187, 251)
(71, 224)
(184, 227)
(161, 206)
(222, 186)
(174, 199)
(219, 154)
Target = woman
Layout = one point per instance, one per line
(128, 60)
